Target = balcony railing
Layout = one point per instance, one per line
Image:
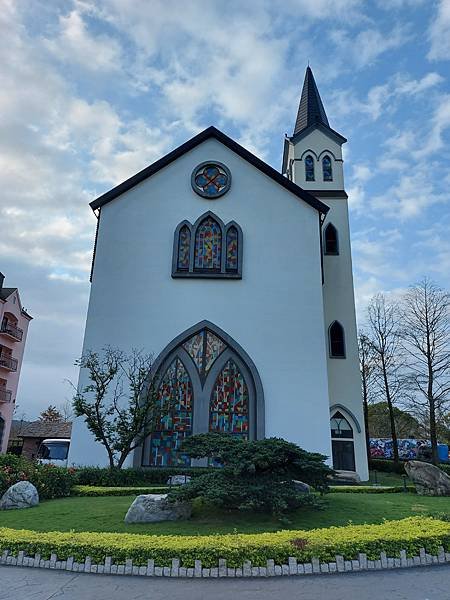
(12, 330)
(5, 395)
(7, 362)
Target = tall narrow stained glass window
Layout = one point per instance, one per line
(184, 244)
(204, 347)
(327, 169)
(232, 249)
(175, 421)
(309, 168)
(208, 245)
(229, 402)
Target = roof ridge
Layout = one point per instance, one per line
(310, 110)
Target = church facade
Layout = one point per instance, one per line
(238, 278)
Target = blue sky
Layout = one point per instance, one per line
(93, 91)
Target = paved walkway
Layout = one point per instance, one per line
(424, 583)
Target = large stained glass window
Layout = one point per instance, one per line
(229, 402)
(208, 245)
(232, 249)
(204, 347)
(175, 420)
(327, 169)
(309, 168)
(184, 245)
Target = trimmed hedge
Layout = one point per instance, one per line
(409, 534)
(97, 476)
(92, 490)
(369, 489)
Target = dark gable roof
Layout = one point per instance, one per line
(210, 132)
(5, 293)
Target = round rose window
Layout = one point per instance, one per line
(211, 179)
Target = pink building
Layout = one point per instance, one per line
(14, 322)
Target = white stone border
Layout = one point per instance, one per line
(247, 570)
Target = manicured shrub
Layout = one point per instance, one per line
(368, 489)
(91, 490)
(50, 481)
(133, 477)
(391, 536)
(257, 475)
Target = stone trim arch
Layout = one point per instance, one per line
(340, 407)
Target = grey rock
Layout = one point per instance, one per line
(428, 479)
(178, 480)
(20, 495)
(350, 477)
(151, 508)
(301, 487)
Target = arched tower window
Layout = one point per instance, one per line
(207, 249)
(309, 168)
(208, 245)
(342, 443)
(327, 169)
(174, 421)
(337, 340)
(331, 239)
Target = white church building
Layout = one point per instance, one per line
(238, 278)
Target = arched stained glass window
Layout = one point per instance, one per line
(184, 244)
(232, 249)
(174, 423)
(337, 341)
(208, 245)
(342, 445)
(340, 427)
(229, 402)
(309, 168)
(204, 348)
(327, 169)
(331, 239)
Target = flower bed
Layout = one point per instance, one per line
(392, 537)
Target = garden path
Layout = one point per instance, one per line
(424, 583)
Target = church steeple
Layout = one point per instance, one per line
(310, 110)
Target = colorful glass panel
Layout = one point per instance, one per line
(229, 402)
(309, 168)
(184, 243)
(326, 168)
(232, 249)
(211, 180)
(175, 421)
(194, 347)
(214, 347)
(208, 245)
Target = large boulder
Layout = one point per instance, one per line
(152, 508)
(302, 488)
(428, 479)
(20, 495)
(346, 477)
(178, 480)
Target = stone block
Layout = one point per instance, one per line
(222, 567)
(198, 568)
(324, 568)
(278, 570)
(255, 571)
(332, 567)
(231, 572)
(362, 558)
(190, 572)
(308, 568)
(166, 571)
(355, 565)
(340, 563)
(142, 570)
(292, 563)
(270, 566)
(348, 565)
(315, 565)
(183, 572)
(206, 572)
(150, 567)
(158, 572)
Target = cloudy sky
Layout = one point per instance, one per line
(93, 91)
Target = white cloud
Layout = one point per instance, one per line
(439, 32)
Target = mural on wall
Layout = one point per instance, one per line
(408, 449)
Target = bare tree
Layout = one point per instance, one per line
(51, 415)
(367, 367)
(426, 339)
(119, 403)
(383, 319)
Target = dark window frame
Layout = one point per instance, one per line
(192, 272)
(310, 169)
(327, 241)
(326, 157)
(332, 342)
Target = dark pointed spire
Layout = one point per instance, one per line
(310, 110)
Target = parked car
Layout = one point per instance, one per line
(54, 451)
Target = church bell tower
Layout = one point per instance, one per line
(312, 159)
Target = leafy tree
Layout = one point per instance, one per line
(367, 367)
(51, 415)
(119, 404)
(257, 475)
(426, 339)
(379, 422)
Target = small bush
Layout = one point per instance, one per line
(391, 536)
(368, 489)
(97, 476)
(50, 481)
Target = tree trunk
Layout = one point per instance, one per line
(366, 417)
(391, 413)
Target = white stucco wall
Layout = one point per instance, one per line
(275, 312)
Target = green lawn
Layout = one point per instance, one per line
(107, 514)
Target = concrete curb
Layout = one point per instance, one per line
(247, 570)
